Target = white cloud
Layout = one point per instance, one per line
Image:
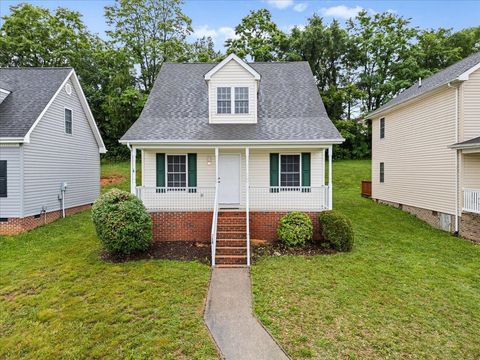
(204, 30)
(300, 7)
(228, 32)
(341, 11)
(280, 4)
(218, 35)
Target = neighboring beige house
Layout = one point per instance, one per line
(426, 149)
(228, 148)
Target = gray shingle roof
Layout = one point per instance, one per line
(31, 90)
(466, 144)
(440, 78)
(289, 107)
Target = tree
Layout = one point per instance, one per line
(151, 32)
(258, 37)
(202, 50)
(381, 51)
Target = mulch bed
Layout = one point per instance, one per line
(168, 250)
(277, 249)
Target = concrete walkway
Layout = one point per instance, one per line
(229, 317)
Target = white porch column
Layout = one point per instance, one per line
(133, 172)
(330, 172)
(216, 167)
(247, 200)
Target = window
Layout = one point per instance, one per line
(289, 170)
(68, 121)
(224, 100)
(382, 128)
(177, 171)
(382, 172)
(3, 178)
(241, 100)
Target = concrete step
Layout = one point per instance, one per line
(230, 266)
(231, 250)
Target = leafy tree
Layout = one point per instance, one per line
(258, 37)
(202, 50)
(357, 137)
(150, 31)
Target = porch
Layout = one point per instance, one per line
(188, 185)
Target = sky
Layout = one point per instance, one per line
(218, 18)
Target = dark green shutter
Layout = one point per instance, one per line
(3, 178)
(306, 169)
(192, 170)
(160, 170)
(274, 170)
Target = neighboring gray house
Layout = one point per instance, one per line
(49, 147)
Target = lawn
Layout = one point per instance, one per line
(406, 290)
(58, 299)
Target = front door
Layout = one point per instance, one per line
(229, 174)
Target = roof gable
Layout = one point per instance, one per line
(232, 57)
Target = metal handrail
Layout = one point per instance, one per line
(247, 202)
(213, 235)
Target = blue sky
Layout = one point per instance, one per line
(217, 18)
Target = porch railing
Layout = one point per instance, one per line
(291, 198)
(471, 200)
(177, 199)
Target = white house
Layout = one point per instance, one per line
(228, 148)
(426, 149)
(49, 147)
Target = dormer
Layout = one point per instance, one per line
(3, 94)
(232, 92)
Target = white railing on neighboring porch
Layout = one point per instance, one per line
(294, 198)
(177, 199)
(471, 200)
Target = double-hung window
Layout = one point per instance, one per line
(68, 121)
(382, 172)
(224, 100)
(176, 171)
(382, 128)
(289, 170)
(241, 100)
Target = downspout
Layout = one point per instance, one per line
(457, 162)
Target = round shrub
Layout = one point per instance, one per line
(295, 229)
(122, 222)
(336, 230)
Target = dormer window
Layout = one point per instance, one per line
(241, 100)
(224, 100)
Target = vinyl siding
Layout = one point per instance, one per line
(471, 107)
(53, 157)
(259, 167)
(419, 167)
(471, 171)
(232, 75)
(11, 205)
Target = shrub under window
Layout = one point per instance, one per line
(336, 230)
(122, 223)
(295, 229)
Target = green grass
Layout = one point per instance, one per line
(58, 299)
(121, 168)
(406, 290)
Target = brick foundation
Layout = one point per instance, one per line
(15, 226)
(196, 226)
(470, 226)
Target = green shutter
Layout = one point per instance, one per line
(160, 170)
(274, 170)
(3, 178)
(306, 169)
(192, 170)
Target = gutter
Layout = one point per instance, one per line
(457, 161)
(232, 142)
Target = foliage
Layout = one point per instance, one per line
(151, 31)
(202, 50)
(259, 37)
(295, 229)
(123, 224)
(399, 294)
(336, 230)
(357, 137)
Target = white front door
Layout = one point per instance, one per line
(229, 174)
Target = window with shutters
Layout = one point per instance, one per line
(3, 178)
(68, 121)
(290, 170)
(176, 171)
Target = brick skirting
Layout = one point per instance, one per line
(470, 226)
(15, 226)
(197, 225)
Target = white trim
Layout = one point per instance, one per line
(464, 147)
(236, 204)
(232, 142)
(466, 75)
(5, 91)
(65, 121)
(86, 108)
(230, 57)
